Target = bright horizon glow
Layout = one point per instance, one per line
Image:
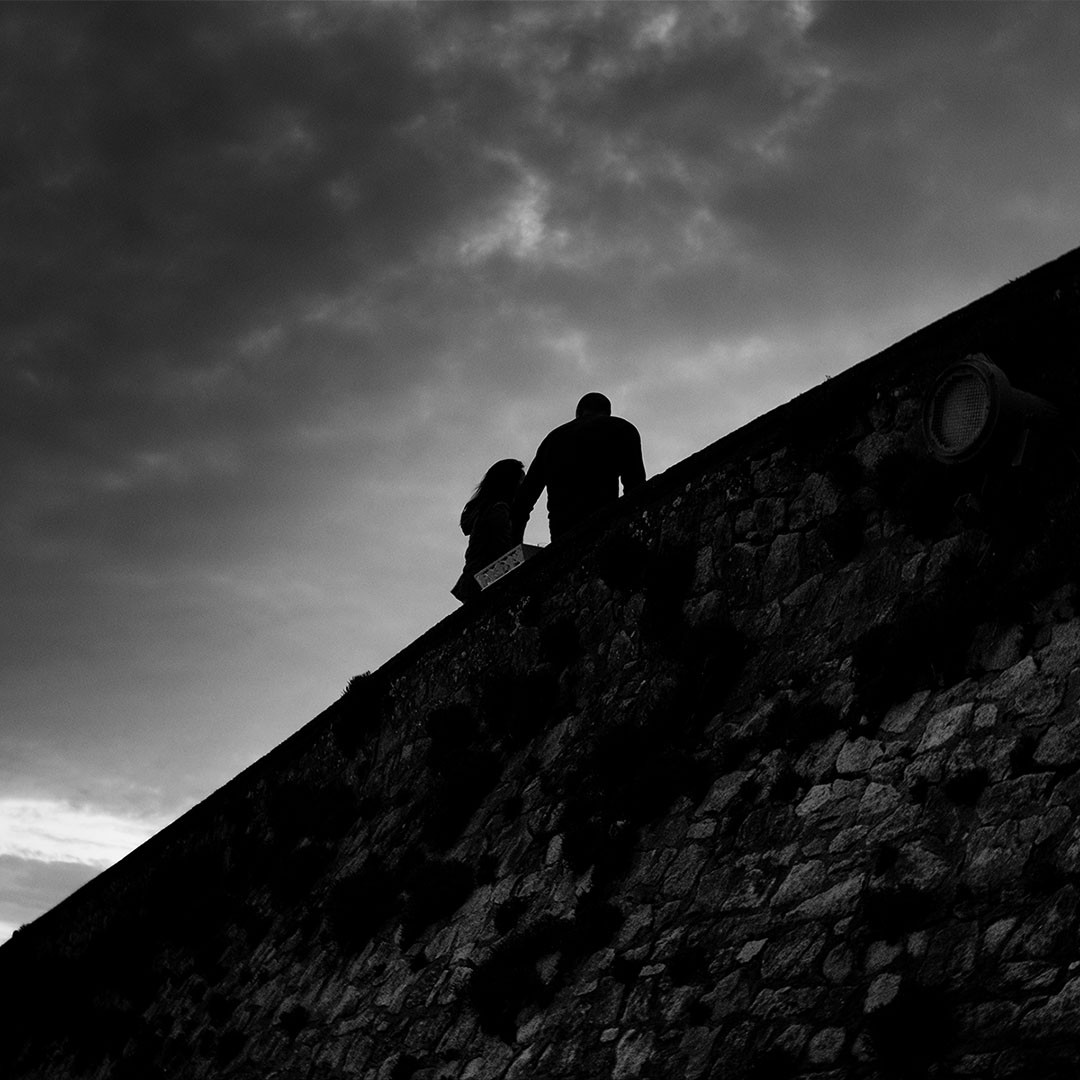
(52, 830)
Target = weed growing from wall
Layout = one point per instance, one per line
(230, 1043)
(715, 654)
(295, 873)
(921, 492)
(889, 911)
(1043, 873)
(297, 810)
(843, 532)
(924, 645)
(361, 902)
(690, 965)
(922, 1009)
(516, 706)
(795, 724)
(294, 1020)
(433, 894)
(965, 787)
(630, 776)
(844, 470)
(418, 891)
(560, 643)
(668, 579)
(457, 794)
(359, 711)
(621, 561)
(405, 1067)
(508, 914)
(511, 978)
(463, 773)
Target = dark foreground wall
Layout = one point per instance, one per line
(774, 773)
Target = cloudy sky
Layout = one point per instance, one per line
(280, 281)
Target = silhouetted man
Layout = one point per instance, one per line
(581, 464)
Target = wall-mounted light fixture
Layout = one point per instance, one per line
(973, 407)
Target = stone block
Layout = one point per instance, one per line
(850, 839)
(704, 571)
(857, 756)
(695, 1051)
(841, 899)
(838, 963)
(826, 1046)
(769, 516)
(803, 880)
(882, 991)
(997, 932)
(996, 647)
(738, 574)
(783, 566)
(945, 726)
(900, 717)
(829, 804)
(793, 957)
(1022, 691)
(880, 954)
(1059, 746)
(730, 996)
(684, 871)
(817, 498)
(994, 860)
(1030, 975)
(871, 451)
(879, 797)
(1062, 654)
(804, 593)
(780, 1004)
(635, 925)
(490, 1065)
(1047, 929)
(701, 830)
(792, 1039)
(750, 950)
(524, 1064)
(819, 759)
(632, 1053)
(723, 791)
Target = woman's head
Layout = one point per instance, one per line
(500, 484)
(501, 481)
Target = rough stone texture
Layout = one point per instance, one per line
(759, 774)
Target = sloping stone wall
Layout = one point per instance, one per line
(775, 772)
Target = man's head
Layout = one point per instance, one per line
(593, 405)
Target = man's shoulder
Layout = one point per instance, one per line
(622, 423)
(616, 427)
(559, 435)
(583, 433)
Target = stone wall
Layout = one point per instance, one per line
(774, 772)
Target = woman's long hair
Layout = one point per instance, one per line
(500, 484)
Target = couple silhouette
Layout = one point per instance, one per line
(580, 463)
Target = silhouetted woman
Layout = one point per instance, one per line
(486, 522)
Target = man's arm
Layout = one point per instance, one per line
(526, 497)
(632, 467)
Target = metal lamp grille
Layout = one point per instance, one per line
(959, 411)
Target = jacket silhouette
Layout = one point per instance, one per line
(581, 464)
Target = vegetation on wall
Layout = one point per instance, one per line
(359, 711)
(515, 975)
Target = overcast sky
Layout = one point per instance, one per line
(280, 281)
